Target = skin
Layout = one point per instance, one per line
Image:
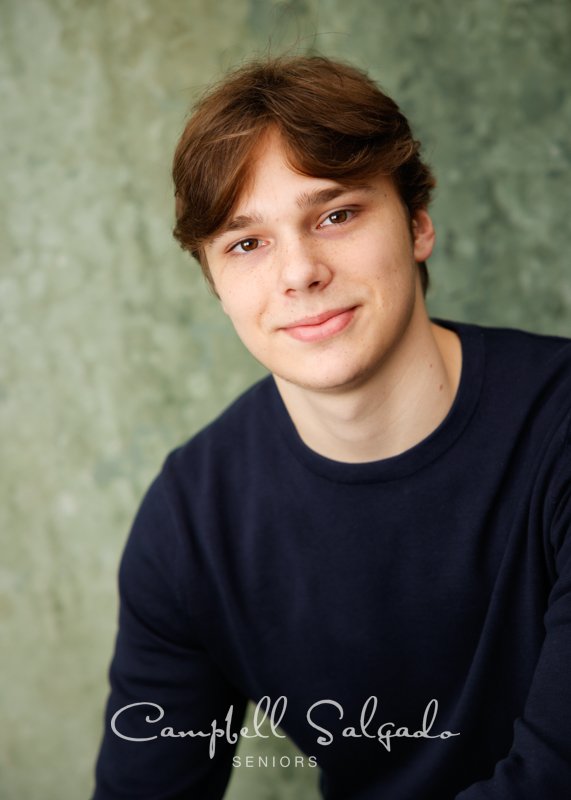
(370, 375)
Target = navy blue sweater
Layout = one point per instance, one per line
(415, 612)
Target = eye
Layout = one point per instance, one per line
(337, 217)
(245, 246)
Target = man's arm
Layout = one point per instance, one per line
(159, 663)
(539, 762)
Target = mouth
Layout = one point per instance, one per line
(322, 326)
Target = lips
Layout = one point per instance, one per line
(321, 326)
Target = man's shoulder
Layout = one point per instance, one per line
(230, 438)
(516, 351)
(523, 339)
(241, 412)
(509, 336)
(524, 377)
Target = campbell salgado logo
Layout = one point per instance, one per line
(384, 733)
(272, 714)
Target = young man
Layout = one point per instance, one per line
(375, 537)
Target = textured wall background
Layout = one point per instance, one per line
(112, 350)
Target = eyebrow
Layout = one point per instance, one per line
(305, 201)
(238, 223)
(308, 200)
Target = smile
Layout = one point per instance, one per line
(322, 326)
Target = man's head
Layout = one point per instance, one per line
(333, 121)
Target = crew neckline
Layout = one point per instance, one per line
(422, 453)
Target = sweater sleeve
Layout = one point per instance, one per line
(161, 679)
(539, 762)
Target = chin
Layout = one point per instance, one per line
(325, 381)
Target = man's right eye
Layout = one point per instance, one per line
(245, 246)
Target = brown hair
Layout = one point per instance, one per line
(333, 119)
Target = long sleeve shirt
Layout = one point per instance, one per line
(413, 613)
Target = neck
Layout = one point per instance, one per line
(395, 409)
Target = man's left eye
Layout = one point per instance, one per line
(337, 217)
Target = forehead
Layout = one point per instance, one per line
(268, 159)
(271, 185)
(273, 178)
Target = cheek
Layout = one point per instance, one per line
(391, 269)
(242, 304)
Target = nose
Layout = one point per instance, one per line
(302, 266)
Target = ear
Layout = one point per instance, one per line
(423, 235)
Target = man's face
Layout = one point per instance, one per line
(319, 279)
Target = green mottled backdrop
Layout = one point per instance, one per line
(112, 350)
